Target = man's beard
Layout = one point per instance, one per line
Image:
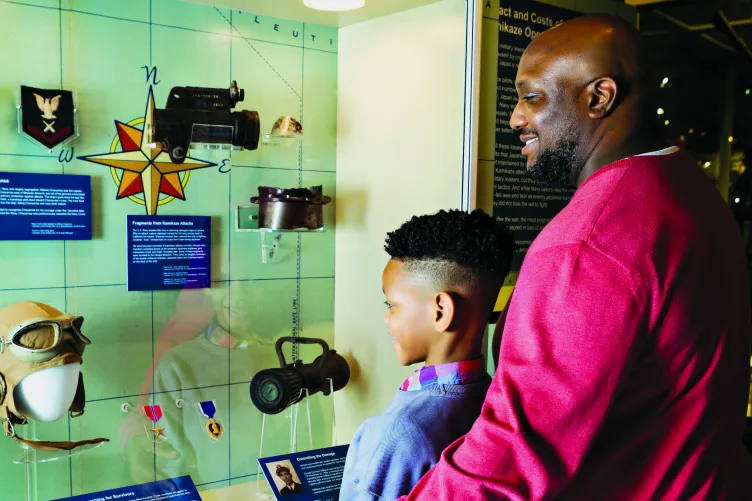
(556, 165)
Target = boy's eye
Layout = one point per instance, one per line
(388, 304)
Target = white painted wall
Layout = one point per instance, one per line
(399, 153)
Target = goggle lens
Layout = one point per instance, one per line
(38, 341)
(36, 337)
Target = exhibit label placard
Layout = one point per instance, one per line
(310, 475)
(169, 252)
(44, 206)
(173, 489)
(524, 204)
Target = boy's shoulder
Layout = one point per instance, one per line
(422, 413)
(423, 421)
(390, 452)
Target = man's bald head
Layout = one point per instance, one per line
(582, 90)
(600, 45)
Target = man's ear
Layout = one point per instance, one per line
(602, 94)
(444, 311)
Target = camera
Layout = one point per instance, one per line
(274, 390)
(204, 115)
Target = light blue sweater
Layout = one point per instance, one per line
(391, 452)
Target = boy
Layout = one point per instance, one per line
(440, 284)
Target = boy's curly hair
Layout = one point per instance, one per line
(473, 241)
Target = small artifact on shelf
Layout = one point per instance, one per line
(291, 208)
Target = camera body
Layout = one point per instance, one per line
(274, 390)
(204, 115)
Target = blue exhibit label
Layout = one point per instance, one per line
(44, 206)
(174, 489)
(306, 476)
(169, 252)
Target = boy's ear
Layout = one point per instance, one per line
(444, 310)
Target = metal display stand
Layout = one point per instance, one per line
(246, 221)
(263, 487)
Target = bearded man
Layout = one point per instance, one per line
(623, 363)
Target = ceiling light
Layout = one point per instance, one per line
(736, 200)
(660, 111)
(665, 80)
(731, 139)
(665, 123)
(337, 5)
(707, 164)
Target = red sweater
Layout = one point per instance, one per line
(624, 363)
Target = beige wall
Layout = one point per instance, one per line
(399, 153)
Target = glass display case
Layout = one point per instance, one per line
(172, 350)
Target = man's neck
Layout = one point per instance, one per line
(609, 152)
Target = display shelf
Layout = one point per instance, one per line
(246, 221)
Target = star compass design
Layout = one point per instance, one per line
(142, 171)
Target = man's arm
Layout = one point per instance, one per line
(574, 328)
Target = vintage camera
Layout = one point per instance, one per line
(203, 115)
(274, 390)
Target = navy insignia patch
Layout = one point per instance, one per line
(47, 117)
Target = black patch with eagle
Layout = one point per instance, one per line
(47, 116)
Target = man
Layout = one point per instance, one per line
(623, 364)
(291, 486)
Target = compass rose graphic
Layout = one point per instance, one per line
(142, 171)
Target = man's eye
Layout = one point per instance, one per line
(530, 98)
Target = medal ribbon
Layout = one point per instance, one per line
(208, 409)
(153, 412)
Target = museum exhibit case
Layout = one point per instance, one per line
(168, 171)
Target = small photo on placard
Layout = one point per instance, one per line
(285, 477)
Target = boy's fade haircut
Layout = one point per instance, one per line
(460, 251)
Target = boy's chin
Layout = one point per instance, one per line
(407, 360)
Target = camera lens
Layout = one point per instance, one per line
(274, 390)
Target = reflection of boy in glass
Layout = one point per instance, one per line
(206, 334)
(441, 285)
(291, 486)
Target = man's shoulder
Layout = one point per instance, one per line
(637, 192)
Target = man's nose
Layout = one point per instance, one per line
(518, 120)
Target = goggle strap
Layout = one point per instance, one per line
(44, 446)
(56, 446)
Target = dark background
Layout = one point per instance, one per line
(705, 64)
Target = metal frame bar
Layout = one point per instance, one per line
(474, 16)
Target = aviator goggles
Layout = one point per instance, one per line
(25, 346)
